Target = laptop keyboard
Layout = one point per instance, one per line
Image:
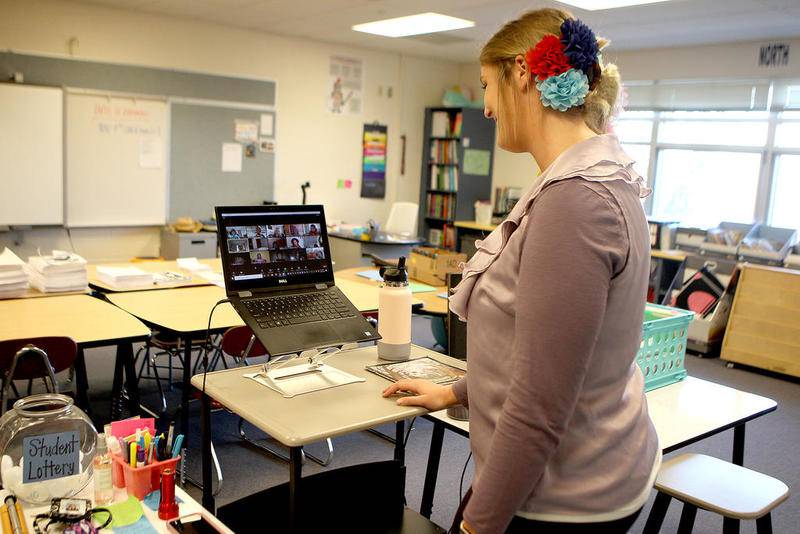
(287, 310)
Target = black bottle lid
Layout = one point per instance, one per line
(397, 274)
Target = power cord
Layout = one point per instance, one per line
(461, 483)
(208, 340)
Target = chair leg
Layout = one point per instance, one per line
(764, 524)
(160, 389)
(277, 454)
(328, 458)
(657, 513)
(687, 518)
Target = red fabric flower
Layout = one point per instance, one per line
(547, 58)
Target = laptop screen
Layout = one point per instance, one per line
(273, 246)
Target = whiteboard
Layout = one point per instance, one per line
(116, 161)
(31, 157)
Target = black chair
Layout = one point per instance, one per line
(456, 329)
(365, 498)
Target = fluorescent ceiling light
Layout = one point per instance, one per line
(414, 25)
(597, 5)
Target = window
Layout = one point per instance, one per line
(641, 156)
(635, 131)
(785, 209)
(701, 188)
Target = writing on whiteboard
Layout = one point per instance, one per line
(131, 129)
(110, 110)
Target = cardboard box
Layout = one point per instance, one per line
(431, 265)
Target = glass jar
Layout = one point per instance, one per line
(47, 445)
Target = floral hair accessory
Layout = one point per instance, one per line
(565, 90)
(580, 45)
(547, 58)
(565, 65)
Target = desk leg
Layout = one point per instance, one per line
(432, 471)
(738, 444)
(131, 384)
(205, 430)
(82, 383)
(187, 387)
(295, 473)
(732, 525)
(399, 445)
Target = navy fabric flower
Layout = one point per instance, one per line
(565, 90)
(580, 45)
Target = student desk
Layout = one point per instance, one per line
(185, 312)
(91, 323)
(187, 507)
(347, 249)
(682, 413)
(33, 293)
(307, 418)
(429, 302)
(154, 266)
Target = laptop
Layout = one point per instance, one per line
(276, 261)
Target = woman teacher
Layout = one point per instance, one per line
(554, 300)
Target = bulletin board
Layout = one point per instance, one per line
(198, 182)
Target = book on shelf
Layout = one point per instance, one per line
(444, 238)
(440, 124)
(444, 178)
(444, 151)
(440, 206)
(445, 124)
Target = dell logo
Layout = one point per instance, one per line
(283, 281)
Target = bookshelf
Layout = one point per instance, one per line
(447, 191)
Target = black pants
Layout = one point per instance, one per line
(520, 525)
(525, 526)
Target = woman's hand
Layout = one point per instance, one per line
(425, 393)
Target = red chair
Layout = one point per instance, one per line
(241, 344)
(33, 358)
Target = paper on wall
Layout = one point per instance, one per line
(267, 124)
(151, 152)
(231, 157)
(246, 131)
(267, 145)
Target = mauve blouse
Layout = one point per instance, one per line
(559, 425)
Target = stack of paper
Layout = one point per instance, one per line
(13, 280)
(192, 265)
(124, 277)
(62, 271)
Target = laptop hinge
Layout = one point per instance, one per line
(321, 286)
(243, 294)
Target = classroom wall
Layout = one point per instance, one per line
(311, 144)
(724, 61)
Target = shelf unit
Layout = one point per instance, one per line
(447, 193)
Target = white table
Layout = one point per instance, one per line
(188, 506)
(310, 417)
(682, 413)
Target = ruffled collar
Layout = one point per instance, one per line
(599, 158)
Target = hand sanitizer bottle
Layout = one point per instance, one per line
(394, 314)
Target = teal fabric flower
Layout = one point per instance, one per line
(565, 90)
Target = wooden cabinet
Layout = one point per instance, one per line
(764, 325)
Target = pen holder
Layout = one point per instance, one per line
(139, 481)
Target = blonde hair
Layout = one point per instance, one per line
(517, 36)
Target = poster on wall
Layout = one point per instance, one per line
(373, 170)
(345, 86)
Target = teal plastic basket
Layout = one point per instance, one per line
(663, 349)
